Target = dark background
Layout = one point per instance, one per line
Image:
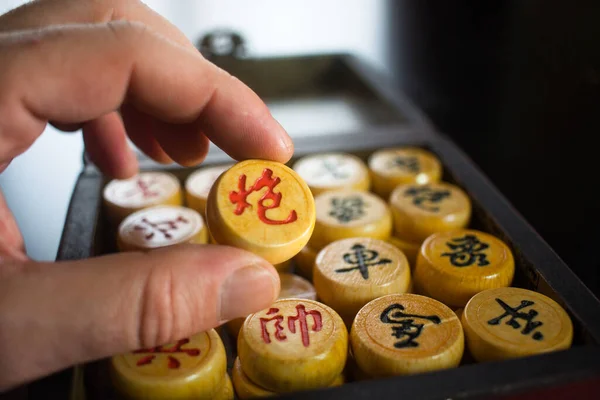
(517, 85)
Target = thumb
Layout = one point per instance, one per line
(55, 316)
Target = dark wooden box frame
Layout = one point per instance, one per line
(539, 268)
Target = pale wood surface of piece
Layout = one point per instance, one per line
(402, 165)
(511, 322)
(198, 184)
(295, 344)
(333, 171)
(349, 273)
(422, 210)
(263, 207)
(454, 266)
(191, 368)
(345, 214)
(406, 334)
(161, 226)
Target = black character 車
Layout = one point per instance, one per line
(362, 258)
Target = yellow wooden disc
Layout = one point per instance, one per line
(403, 165)
(350, 213)
(123, 197)
(226, 392)
(410, 249)
(454, 266)
(511, 322)
(349, 273)
(198, 184)
(295, 344)
(292, 286)
(304, 262)
(333, 171)
(422, 210)
(161, 226)
(404, 334)
(263, 207)
(189, 368)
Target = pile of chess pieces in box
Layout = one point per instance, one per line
(381, 275)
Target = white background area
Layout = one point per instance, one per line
(39, 183)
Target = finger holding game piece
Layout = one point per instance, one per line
(454, 266)
(422, 210)
(350, 213)
(198, 185)
(292, 286)
(403, 165)
(263, 207)
(506, 323)
(295, 344)
(195, 367)
(161, 226)
(350, 273)
(333, 171)
(406, 334)
(123, 197)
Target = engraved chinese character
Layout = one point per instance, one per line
(299, 319)
(466, 251)
(362, 258)
(332, 167)
(405, 327)
(427, 198)
(266, 180)
(143, 187)
(347, 209)
(408, 163)
(515, 314)
(162, 227)
(172, 362)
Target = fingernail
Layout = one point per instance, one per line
(247, 290)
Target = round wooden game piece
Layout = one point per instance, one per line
(403, 165)
(198, 184)
(161, 226)
(227, 392)
(404, 334)
(349, 273)
(123, 197)
(454, 266)
(510, 322)
(263, 207)
(190, 368)
(304, 262)
(296, 344)
(422, 210)
(246, 389)
(410, 249)
(350, 213)
(292, 286)
(333, 171)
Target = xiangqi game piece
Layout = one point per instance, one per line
(194, 367)
(292, 286)
(410, 249)
(246, 389)
(263, 207)
(304, 262)
(422, 210)
(349, 273)
(405, 334)
(123, 197)
(350, 213)
(333, 171)
(161, 226)
(198, 185)
(295, 344)
(454, 266)
(403, 165)
(511, 322)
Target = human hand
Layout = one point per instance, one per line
(114, 68)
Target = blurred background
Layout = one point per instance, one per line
(515, 83)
